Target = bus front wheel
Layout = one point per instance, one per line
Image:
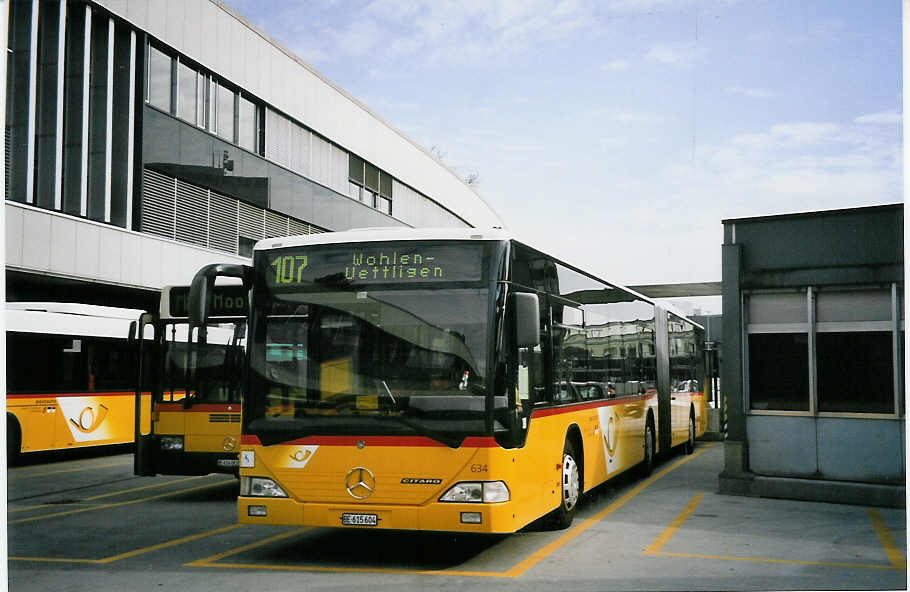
(570, 487)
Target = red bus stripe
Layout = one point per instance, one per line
(59, 395)
(573, 407)
(198, 408)
(413, 441)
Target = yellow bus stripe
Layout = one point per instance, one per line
(88, 468)
(539, 555)
(769, 560)
(670, 530)
(114, 505)
(894, 554)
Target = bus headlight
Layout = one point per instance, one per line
(260, 487)
(172, 443)
(476, 492)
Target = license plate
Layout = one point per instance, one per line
(359, 519)
(228, 462)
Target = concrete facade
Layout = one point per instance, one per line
(146, 138)
(813, 358)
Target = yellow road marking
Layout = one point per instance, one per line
(88, 468)
(769, 560)
(277, 537)
(669, 531)
(894, 554)
(573, 532)
(113, 558)
(114, 505)
(515, 572)
(104, 495)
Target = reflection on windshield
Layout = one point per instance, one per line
(397, 355)
(212, 370)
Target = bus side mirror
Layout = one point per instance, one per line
(131, 337)
(203, 285)
(527, 319)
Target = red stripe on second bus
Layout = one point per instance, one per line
(573, 407)
(415, 441)
(59, 395)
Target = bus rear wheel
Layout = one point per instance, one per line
(647, 465)
(13, 440)
(690, 443)
(570, 487)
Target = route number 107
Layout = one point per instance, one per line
(289, 269)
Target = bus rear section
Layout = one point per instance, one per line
(70, 376)
(195, 382)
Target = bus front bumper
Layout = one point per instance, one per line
(447, 517)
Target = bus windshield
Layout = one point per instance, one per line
(348, 357)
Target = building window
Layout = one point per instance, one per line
(245, 246)
(187, 93)
(855, 372)
(159, 80)
(779, 371)
(369, 184)
(248, 125)
(224, 112)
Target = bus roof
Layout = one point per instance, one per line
(361, 235)
(65, 318)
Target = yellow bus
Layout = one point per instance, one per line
(70, 376)
(448, 380)
(199, 433)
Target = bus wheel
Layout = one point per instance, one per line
(13, 440)
(647, 465)
(690, 443)
(570, 487)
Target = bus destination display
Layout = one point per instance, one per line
(374, 264)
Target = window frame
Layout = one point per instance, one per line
(812, 327)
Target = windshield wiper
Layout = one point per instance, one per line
(391, 396)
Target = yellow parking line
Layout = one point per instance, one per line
(206, 561)
(894, 554)
(769, 560)
(104, 495)
(152, 486)
(113, 558)
(114, 505)
(514, 572)
(669, 531)
(538, 556)
(88, 468)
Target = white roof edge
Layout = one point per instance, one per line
(361, 235)
(77, 308)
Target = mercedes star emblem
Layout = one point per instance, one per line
(360, 483)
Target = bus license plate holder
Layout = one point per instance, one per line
(351, 519)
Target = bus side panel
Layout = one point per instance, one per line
(95, 419)
(36, 417)
(73, 421)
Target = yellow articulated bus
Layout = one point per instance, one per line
(70, 376)
(450, 380)
(199, 433)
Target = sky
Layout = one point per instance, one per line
(618, 134)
